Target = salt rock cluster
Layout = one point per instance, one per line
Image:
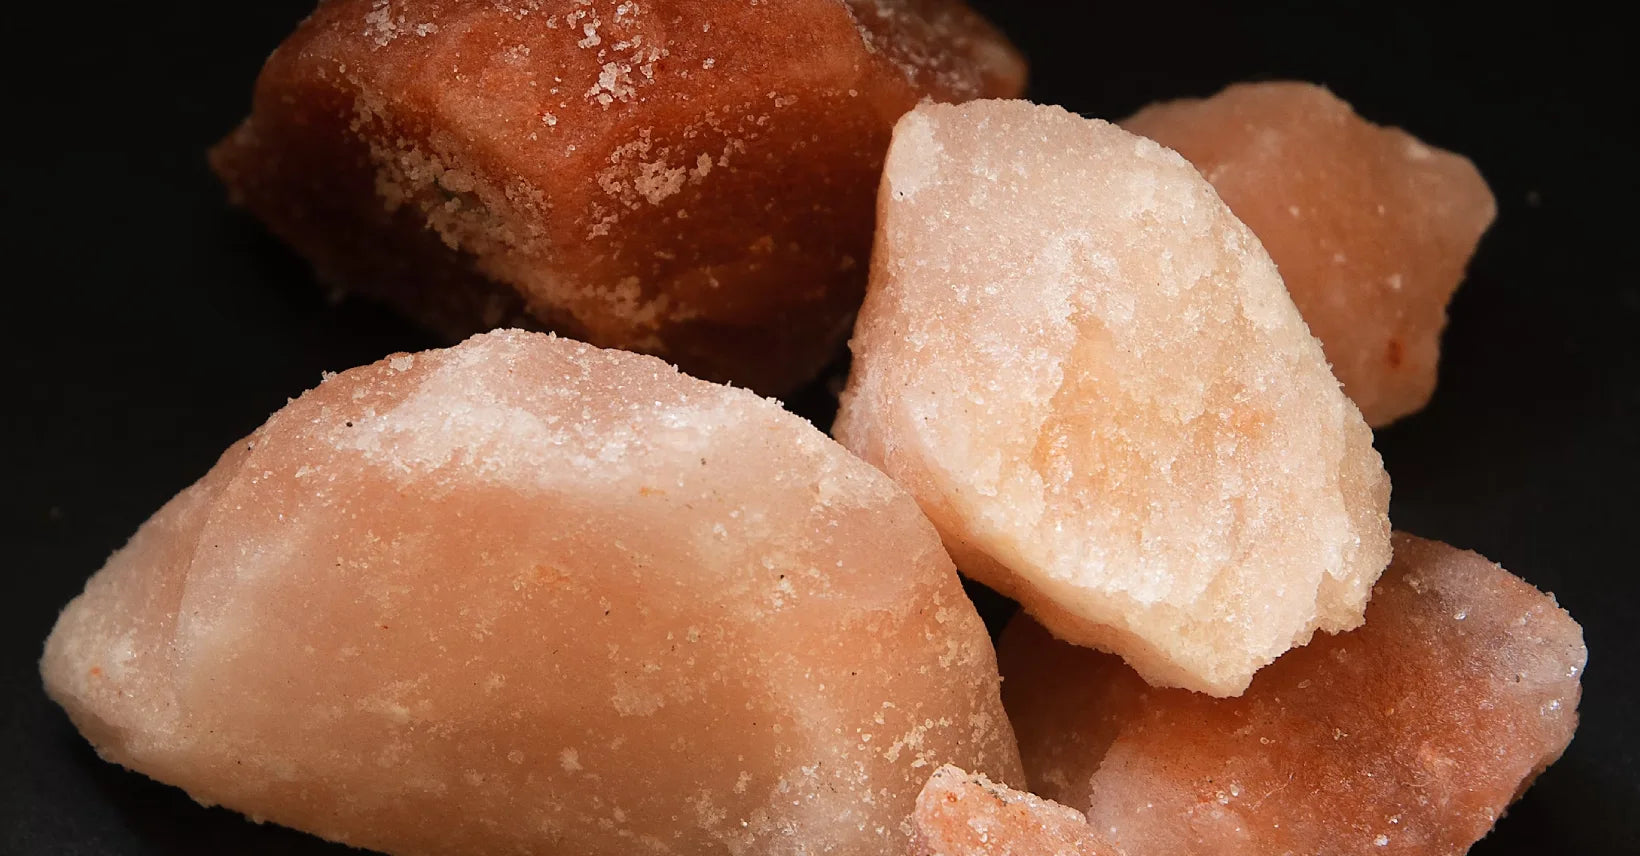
(525, 595)
(528, 596)
(688, 178)
(1407, 736)
(962, 814)
(1370, 228)
(1089, 374)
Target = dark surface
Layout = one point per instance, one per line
(154, 326)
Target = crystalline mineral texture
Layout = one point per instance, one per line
(527, 596)
(1090, 376)
(964, 814)
(1370, 228)
(689, 178)
(1407, 736)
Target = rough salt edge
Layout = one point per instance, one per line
(941, 802)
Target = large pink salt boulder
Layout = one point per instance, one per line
(1371, 228)
(1408, 736)
(529, 596)
(1088, 372)
(689, 178)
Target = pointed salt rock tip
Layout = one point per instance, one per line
(1090, 376)
(1371, 228)
(964, 814)
(526, 595)
(687, 178)
(1409, 735)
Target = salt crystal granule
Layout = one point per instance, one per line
(963, 814)
(689, 178)
(1090, 376)
(1370, 228)
(1410, 735)
(524, 595)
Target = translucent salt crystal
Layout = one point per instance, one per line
(524, 595)
(1410, 735)
(1090, 376)
(1371, 228)
(689, 178)
(964, 814)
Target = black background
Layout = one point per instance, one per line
(147, 326)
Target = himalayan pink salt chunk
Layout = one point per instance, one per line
(525, 596)
(1371, 228)
(1407, 736)
(688, 178)
(966, 814)
(1090, 376)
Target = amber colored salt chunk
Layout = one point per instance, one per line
(1407, 736)
(1090, 376)
(964, 814)
(528, 596)
(689, 178)
(1370, 228)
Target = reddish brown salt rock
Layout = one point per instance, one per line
(1407, 736)
(690, 178)
(964, 814)
(1090, 376)
(1371, 228)
(528, 596)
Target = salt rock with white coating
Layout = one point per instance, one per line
(1370, 228)
(964, 814)
(688, 178)
(528, 596)
(1090, 376)
(1409, 736)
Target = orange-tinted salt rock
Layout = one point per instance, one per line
(1407, 736)
(1088, 373)
(528, 596)
(1371, 228)
(966, 814)
(689, 178)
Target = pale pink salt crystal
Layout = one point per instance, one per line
(967, 814)
(689, 178)
(525, 595)
(1407, 736)
(1371, 228)
(1090, 376)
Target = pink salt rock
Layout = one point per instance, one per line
(528, 596)
(1090, 376)
(963, 814)
(1371, 228)
(689, 178)
(1407, 736)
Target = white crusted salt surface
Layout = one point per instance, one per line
(1089, 374)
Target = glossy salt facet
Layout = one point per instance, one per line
(689, 178)
(1410, 735)
(1370, 228)
(967, 814)
(1090, 376)
(525, 595)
